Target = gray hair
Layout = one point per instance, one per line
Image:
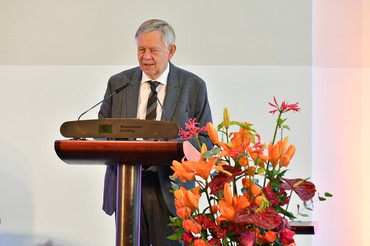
(168, 34)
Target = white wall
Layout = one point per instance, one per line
(57, 57)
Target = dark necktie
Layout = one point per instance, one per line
(151, 109)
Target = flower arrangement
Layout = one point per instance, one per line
(243, 182)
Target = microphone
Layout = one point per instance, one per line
(155, 93)
(116, 91)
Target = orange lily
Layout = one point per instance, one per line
(182, 171)
(202, 168)
(213, 209)
(183, 212)
(240, 202)
(243, 161)
(275, 151)
(238, 144)
(189, 225)
(191, 198)
(200, 242)
(229, 205)
(227, 194)
(255, 189)
(179, 195)
(263, 158)
(287, 156)
(212, 132)
(271, 236)
(227, 212)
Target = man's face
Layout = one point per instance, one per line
(152, 53)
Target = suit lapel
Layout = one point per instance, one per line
(172, 94)
(132, 95)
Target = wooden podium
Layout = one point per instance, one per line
(129, 155)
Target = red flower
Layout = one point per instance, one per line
(276, 199)
(284, 107)
(271, 196)
(286, 236)
(214, 242)
(187, 238)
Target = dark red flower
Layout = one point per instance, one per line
(269, 219)
(304, 189)
(218, 181)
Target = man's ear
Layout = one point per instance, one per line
(171, 51)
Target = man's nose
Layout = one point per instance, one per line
(147, 54)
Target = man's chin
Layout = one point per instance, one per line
(150, 73)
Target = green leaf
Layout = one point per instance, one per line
(286, 127)
(172, 219)
(280, 122)
(303, 215)
(207, 155)
(322, 198)
(284, 212)
(216, 150)
(220, 126)
(176, 236)
(175, 185)
(327, 194)
(244, 190)
(281, 174)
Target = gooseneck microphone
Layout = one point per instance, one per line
(155, 93)
(116, 91)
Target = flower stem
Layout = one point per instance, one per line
(209, 203)
(273, 142)
(200, 146)
(277, 126)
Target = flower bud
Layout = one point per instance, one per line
(212, 132)
(226, 118)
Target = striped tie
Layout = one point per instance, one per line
(151, 109)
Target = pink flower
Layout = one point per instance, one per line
(247, 239)
(192, 129)
(284, 107)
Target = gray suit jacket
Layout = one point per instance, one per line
(186, 97)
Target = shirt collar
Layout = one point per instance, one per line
(161, 79)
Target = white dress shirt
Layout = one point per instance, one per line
(145, 91)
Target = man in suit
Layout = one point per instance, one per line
(183, 96)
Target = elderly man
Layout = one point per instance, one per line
(183, 96)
